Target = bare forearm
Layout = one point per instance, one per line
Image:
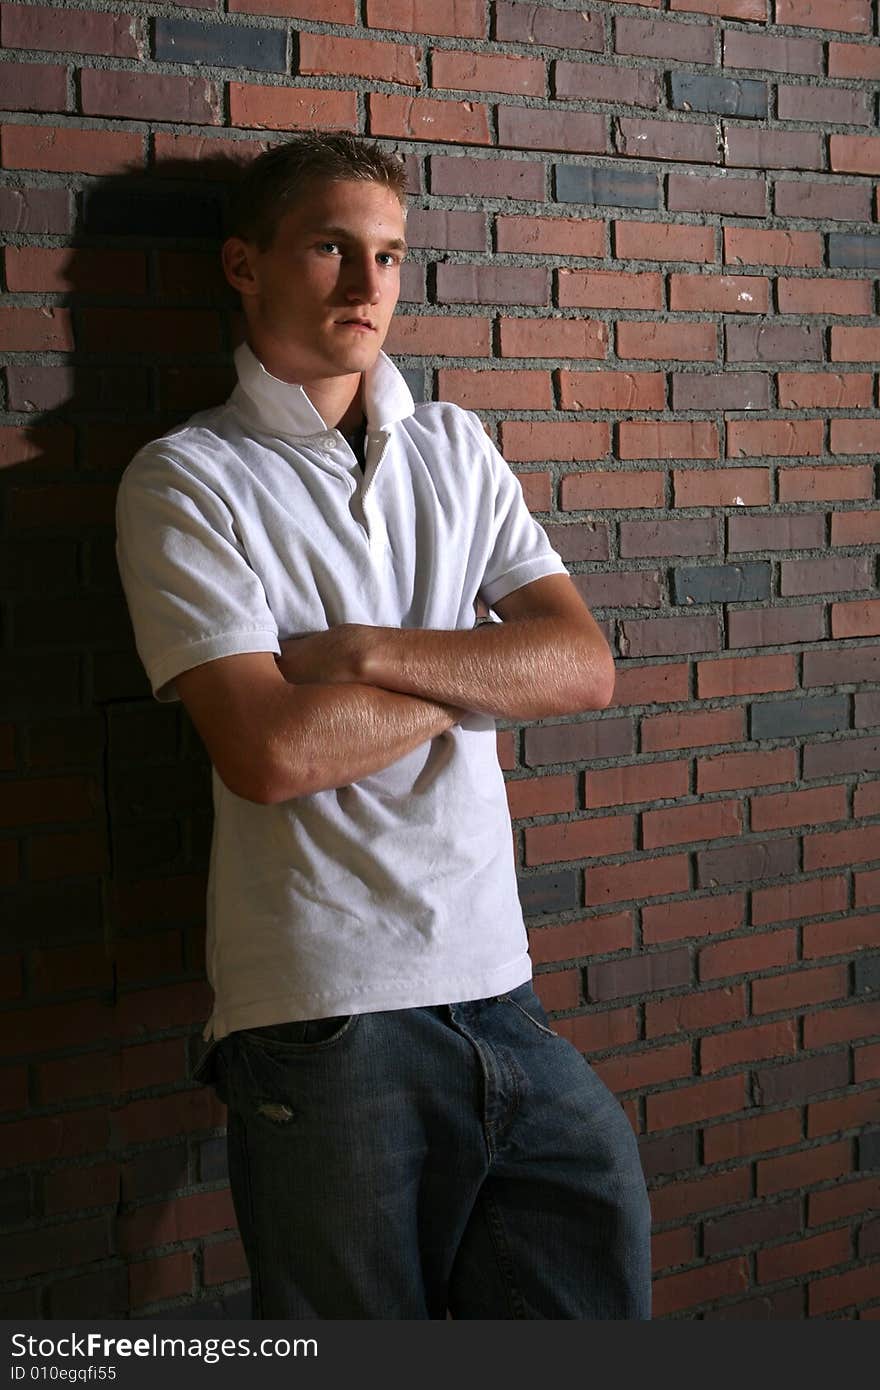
(523, 669)
(341, 733)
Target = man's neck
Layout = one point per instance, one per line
(337, 399)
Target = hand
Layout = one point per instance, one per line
(334, 657)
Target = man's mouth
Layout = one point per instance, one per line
(365, 325)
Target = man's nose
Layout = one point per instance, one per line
(363, 284)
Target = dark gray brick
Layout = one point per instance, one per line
(798, 1081)
(577, 183)
(869, 1150)
(693, 91)
(415, 378)
(867, 975)
(548, 893)
(809, 715)
(668, 1153)
(748, 863)
(615, 979)
(220, 45)
(753, 1226)
(850, 251)
(213, 1163)
(722, 583)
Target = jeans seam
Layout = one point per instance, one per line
(543, 1027)
(515, 1299)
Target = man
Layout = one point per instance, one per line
(303, 565)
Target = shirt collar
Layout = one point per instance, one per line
(280, 407)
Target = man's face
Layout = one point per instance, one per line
(321, 297)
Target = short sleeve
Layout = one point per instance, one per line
(520, 550)
(192, 595)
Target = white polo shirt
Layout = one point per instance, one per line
(252, 523)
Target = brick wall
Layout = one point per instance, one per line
(645, 251)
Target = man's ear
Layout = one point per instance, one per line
(238, 258)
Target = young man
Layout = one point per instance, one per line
(407, 1136)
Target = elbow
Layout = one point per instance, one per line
(264, 781)
(597, 688)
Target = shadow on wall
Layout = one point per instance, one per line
(108, 896)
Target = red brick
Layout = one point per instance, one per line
(855, 344)
(223, 1261)
(748, 148)
(597, 1031)
(618, 786)
(676, 1247)
(693, 729)
(852, 16)
(852, 1198)
(774, 438)
(151, 1281)
(805, 807)
(46, 329)
(158, 330)
(716, 193)
(709, 1282)
(610, 289)
(846, 1112)
(659, 38)
(33, 87)
(471, 72)
(496, 390)
(753, 246)
(650, 1067)
(559, 989)
(685, 824)
(745, 48)
(860, 619)
(54, 270)
(551, 236)
(797, 899)
(80, 31)
(169, 1222)
(424, 118)
(524, 441)
(149, 96)
(612, 390)
(163, 1116)
(492, 284)
(798, 1170)
(748, 1045)
(803, 1256)
(74, 1189)
(853, 60)
(702, 1100)
(745, 675)
(207, 154)
(45, 1138)
(756, 951)
(840, 1290)
(825, 390)
(652, 439)
(855, 528)
(799, 989)
(427, 334)
(855, 436)
(639, 685)
(327, 11)
(642, 878)
(61, 151)
(663, 241)
(579, 132)
(726, 294)
(682, 342)
(867, 1063)
(842, 1025)
(695, 917)
(465, 19)
(835, 201)
(684, 1013)
(841, 936)
(829, 106)
(825, 484)
(541, 796)
(554, 338)
(291, 108)
(575, 939)
(547, 24)
(578, 839)
(604, 82)
(596, 490)
(825, 296)
(344, 57)
(743, 1138)
(727, 9)
(496, 178)
(749, 487)
(679, 140)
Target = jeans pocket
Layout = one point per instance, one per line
(524, 995)
(300, 1035)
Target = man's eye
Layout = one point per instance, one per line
(389, 258)
(329, 246)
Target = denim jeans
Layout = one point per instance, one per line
(402, 1164)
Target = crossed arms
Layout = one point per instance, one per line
(341, 704)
